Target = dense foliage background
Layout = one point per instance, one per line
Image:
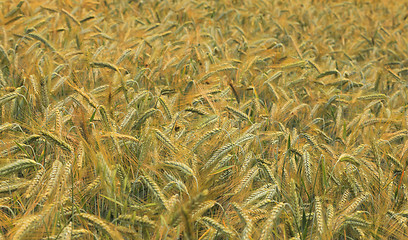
(203, 119)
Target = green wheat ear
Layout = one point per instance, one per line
(165, 140)
(156, 190)
(212, 223)
(238, 113)
(180, 166)
(56, 140)
(136, 220)
(17, 165)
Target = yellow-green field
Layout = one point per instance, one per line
(223, 119)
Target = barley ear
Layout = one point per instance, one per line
(270, 222)
(219, 227)
(105, 226)
(16, 166)
(319, 215)
(156, 190)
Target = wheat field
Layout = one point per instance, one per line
(147, 119)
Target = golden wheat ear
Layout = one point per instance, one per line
(105, 226)
(270, 222)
